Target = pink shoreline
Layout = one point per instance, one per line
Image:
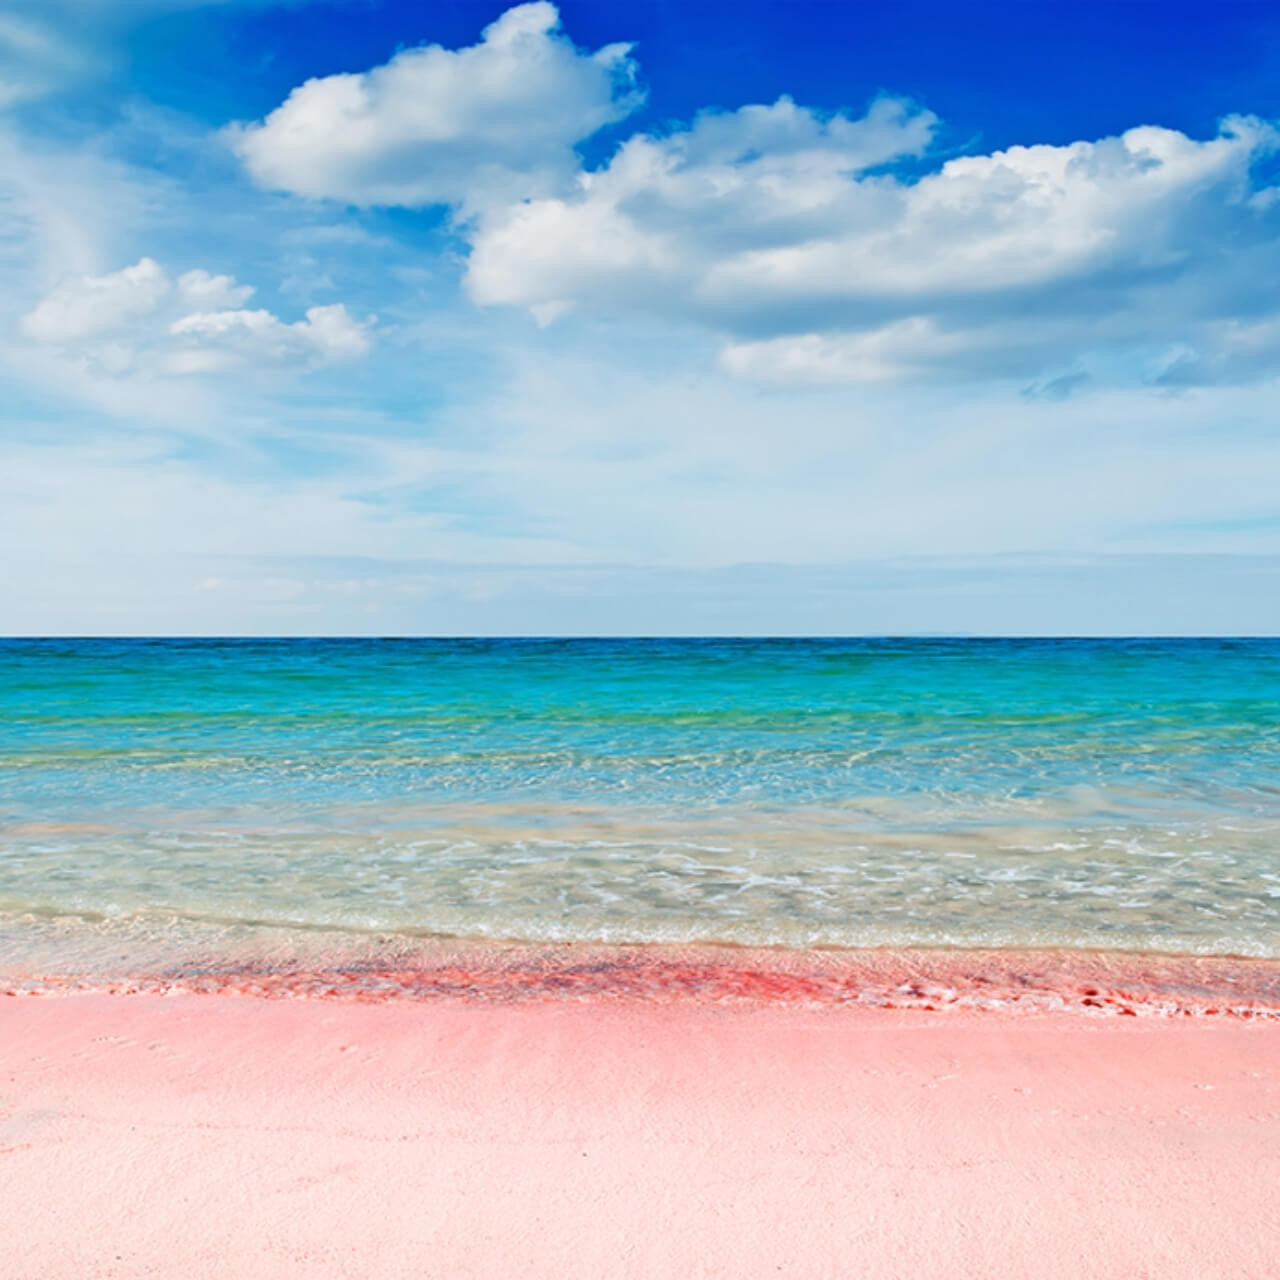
(1083, 982)
(196, 1135)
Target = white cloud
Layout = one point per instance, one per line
(200, 289)
(440, 126)
(765, 225)
(801, 238)
(135, 321)
(668, 213)
(881, 355)
(87, 306)
(220, 339)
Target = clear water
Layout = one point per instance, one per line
(1078, 793)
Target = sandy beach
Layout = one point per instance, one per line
(233, 1135)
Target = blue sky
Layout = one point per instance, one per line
(366, 317)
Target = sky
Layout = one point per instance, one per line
(636, 317)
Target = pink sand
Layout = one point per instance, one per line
(224, 1135)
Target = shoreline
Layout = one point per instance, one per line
(1090, 983)
(156, 1135)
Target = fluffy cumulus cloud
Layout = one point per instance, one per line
(215, 340)
(201, 289)
(138, 319)
(89, 306)
(497, 120)
(800, 237)
(680, 212)
(1133, 251)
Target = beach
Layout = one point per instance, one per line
(639, 958)
(188, 1134)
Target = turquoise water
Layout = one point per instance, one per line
(1117, 794)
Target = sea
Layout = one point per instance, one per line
(169, 798)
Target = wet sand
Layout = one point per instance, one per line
(235, 1135)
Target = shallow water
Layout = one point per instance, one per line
(984, 793)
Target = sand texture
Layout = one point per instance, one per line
(227, 1135)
